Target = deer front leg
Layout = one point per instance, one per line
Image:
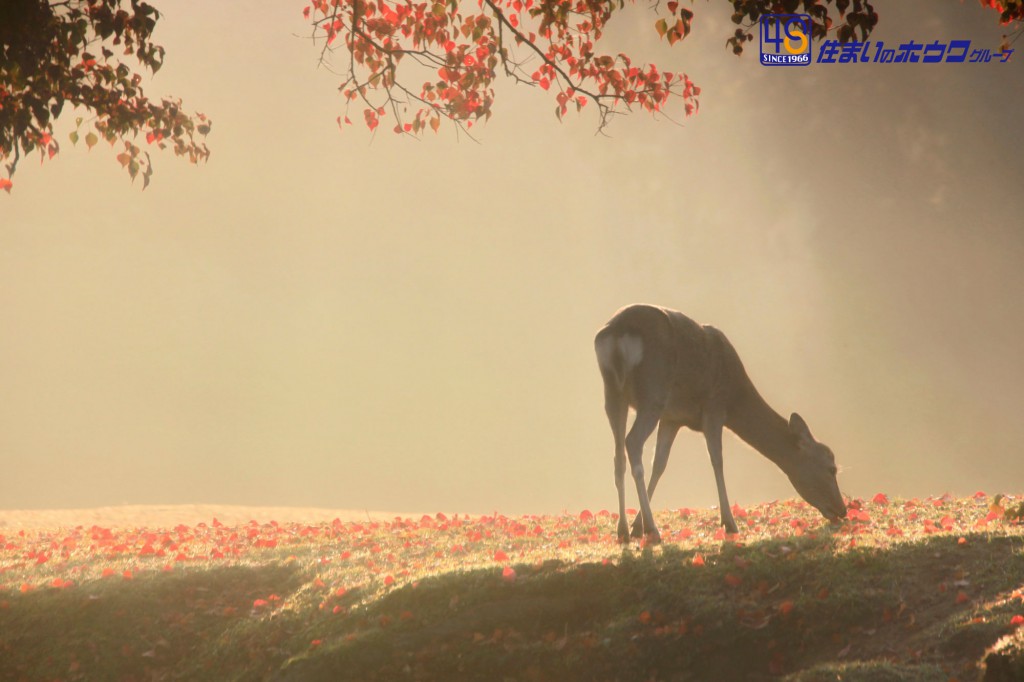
(713, 436)
(643, 426)
(666, 435)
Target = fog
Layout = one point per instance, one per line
(335, 319)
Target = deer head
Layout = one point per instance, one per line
(813, 472)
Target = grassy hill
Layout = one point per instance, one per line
(904, 590)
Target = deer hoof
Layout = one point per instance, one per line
(731, 528)
(623, 533)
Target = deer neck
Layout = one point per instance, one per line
(761, 427)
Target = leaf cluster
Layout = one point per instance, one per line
(56, 54)
(545, 43)
(456, 50)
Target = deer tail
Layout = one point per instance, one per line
(618, 354)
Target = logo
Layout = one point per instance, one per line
(785, 40)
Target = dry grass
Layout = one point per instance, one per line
(904, 590)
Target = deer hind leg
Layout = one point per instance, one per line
(666, 435)
(713, 436)
(617, 409)
(642, 428)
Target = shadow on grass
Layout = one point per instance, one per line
(184, 624)
(793, 609)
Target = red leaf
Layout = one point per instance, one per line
(880, 498)
(733, 580)
(698, 560)
(961, 597)
(508, 574)
(260, 603)
(389, 580)
(786, 607)
(1017, 620)
(500, 556)
(544, 83)
(6, 184)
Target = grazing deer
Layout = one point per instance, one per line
(674, 373)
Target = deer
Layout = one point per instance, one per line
(675, 372)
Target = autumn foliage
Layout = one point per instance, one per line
(419, 62)
(77, 56)
(414, 63)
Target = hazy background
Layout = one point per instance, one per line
(332, 319)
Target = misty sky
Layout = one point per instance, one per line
(325, 318)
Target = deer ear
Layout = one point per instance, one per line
(799, 427)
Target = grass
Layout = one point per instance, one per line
(904, 590)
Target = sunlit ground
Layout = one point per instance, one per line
(446, 596)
